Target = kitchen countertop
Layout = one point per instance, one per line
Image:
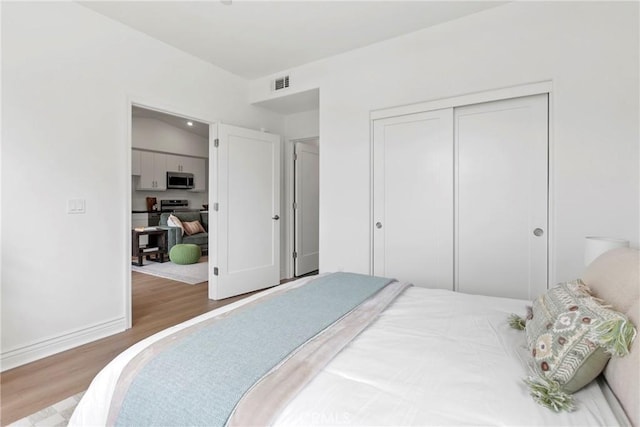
(159, 212)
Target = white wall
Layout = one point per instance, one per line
(156, 135)
(67, 77)
(588, 50)
(302, 125)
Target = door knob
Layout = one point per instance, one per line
(378, 224)
(538, 232)
(276, 217)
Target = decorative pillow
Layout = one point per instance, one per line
(571, 335)
(174, 221)
(193, 227)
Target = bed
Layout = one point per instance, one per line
(413, 356)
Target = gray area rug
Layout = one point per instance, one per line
(55, 415)
(191, 274)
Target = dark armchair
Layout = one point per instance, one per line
(175, 233)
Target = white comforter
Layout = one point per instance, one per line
(432, 358)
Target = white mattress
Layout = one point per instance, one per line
(433, 357)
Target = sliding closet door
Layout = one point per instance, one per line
(501, 197)
(413, 198)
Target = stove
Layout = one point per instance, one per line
(174, 205)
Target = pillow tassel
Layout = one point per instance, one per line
(517, 322)
(616, 336)
(583, 288)
(549, 394)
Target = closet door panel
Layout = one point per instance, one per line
(501, 197)
(413, 198)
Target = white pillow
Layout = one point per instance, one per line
(174, 221)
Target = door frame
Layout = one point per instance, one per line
(289, 197)
(160, 106)
(498, 94)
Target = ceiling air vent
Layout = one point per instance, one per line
(281, 83)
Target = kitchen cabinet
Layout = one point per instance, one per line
(198, 169)
(153, 167)
(153, 171)
(177, 163)
(135, 162)
(194, 165)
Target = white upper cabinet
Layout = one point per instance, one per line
(153, 167)
(177, 163)
(135, 162)
(197, 167)
(153, 171)
(194, 165)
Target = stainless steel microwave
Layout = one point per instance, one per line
(180, 180)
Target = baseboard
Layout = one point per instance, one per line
(32, 352)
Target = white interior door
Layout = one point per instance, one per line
(413, 198)
(307, 207)
(246, 187)
(501, 197)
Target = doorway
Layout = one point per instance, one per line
(163, 144)
(306, 206)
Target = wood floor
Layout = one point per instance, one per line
(157, 304)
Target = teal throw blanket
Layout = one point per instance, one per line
(199, 378)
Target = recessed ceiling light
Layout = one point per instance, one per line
(189, 123)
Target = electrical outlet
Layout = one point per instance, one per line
(76, 206)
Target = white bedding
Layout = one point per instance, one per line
(433, 357)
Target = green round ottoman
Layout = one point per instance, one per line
(185, 253)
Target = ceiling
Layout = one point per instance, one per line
(201, 129)
(254, 39)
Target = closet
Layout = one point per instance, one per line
(460, 197)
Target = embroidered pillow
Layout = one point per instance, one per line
(193, 227)
(174, 221)
(571, 335)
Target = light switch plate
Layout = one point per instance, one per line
(76, 206)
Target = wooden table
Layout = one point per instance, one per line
(157, 246)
